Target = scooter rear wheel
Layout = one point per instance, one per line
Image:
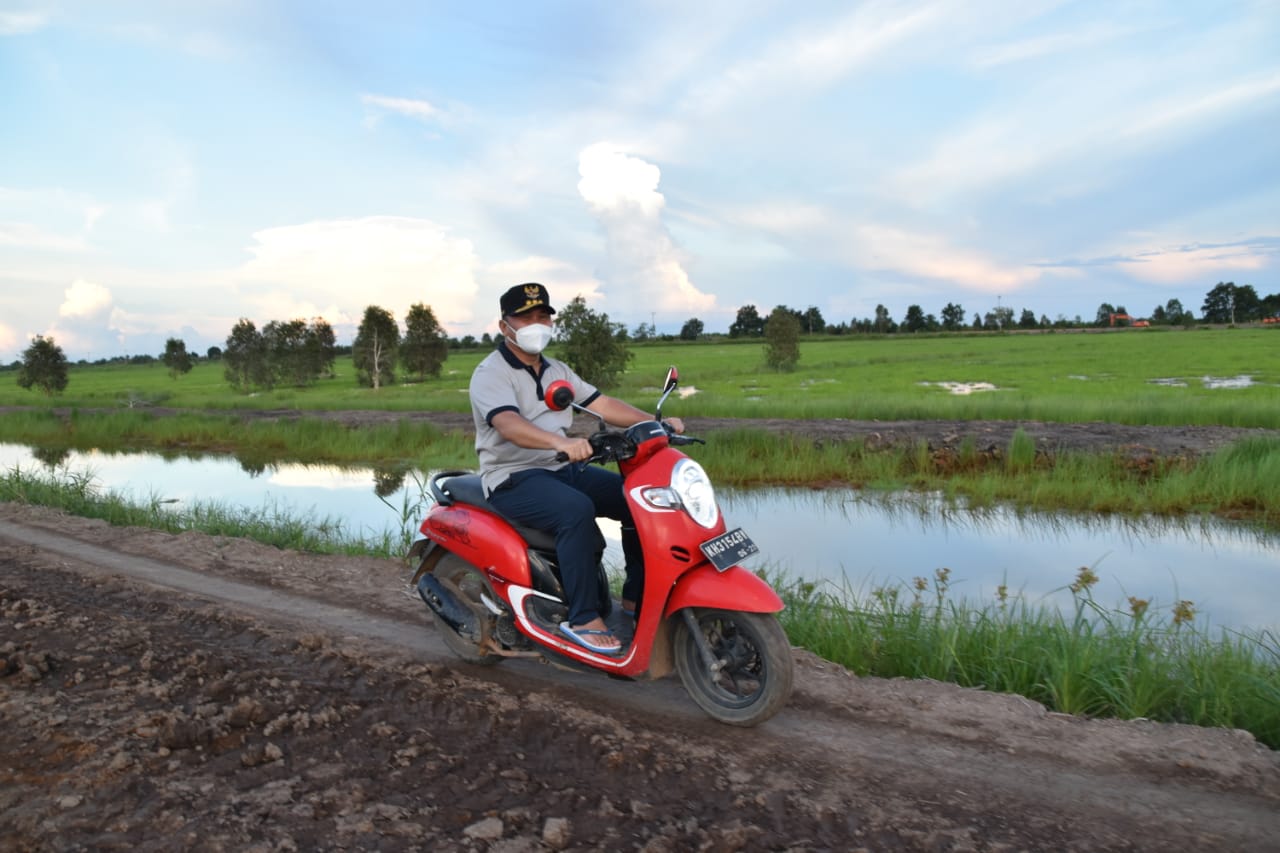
(466, 583)
(754, 679)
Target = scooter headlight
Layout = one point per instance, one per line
(690, 483)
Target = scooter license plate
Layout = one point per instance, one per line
(729, 549)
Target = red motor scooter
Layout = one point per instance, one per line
(495, 589)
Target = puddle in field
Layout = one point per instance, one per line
(1210, 382)
(962, 388)
(1227, 381)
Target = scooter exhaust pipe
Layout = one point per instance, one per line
(446, 606)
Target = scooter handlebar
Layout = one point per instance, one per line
(612, 446)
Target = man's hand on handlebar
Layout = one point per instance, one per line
(574, 449)
(675, 425)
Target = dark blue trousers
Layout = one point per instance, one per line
(566, 502)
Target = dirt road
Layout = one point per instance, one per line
(161, 692)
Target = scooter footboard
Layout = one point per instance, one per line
(733, 589)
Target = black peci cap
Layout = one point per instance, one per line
(525, 297)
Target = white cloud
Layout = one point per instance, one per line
(337, 268)
(421, 110)
(1048, 45)
(22, 235)
(84, 299)
(87, 322)
(1189, 264)
(645, 268)
(818, 54)
(933, 256)
(20, 23)
(8, 339)
(1196, 111)
(563, 281)
(873, 246)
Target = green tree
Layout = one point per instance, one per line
(286, 348)
(914, 319)
(1231, 303)
(782, 339)
(748, 323)
(691, 329)
(425, 346)
(883, 323)
(953, 317)
(322, 348)
(589, 343)
(44, 366)
(812, 321)
(246, 363)
(1176, 315)
(1027, 320)
(1103, 317)
(376, 348)
(643, 332)
(214, 353)
(176, 357)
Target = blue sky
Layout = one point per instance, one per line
(168, 168)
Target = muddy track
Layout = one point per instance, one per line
(161, 691)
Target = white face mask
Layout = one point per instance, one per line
(532, 338)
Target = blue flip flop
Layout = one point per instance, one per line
(581, 637)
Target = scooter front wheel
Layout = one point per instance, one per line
(457, 575)
(751, 677)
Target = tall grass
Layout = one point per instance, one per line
(255, 442)
(1091, 660)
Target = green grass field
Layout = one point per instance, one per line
(1151, 376)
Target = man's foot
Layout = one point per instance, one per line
(594, 636)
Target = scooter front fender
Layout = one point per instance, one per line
(733, 589)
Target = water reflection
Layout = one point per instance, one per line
(858, 541)
(855, 541)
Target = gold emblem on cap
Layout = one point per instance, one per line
(532, 296)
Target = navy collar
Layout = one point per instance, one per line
(517, 364)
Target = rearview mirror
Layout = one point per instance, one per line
(559, 395)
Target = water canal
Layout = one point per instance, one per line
(855, 540)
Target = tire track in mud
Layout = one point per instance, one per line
(333, 725)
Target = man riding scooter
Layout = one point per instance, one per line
(518, 440)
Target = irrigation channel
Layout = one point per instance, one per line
(854, 541)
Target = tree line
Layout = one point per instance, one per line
(299, 353)
(1226, 303)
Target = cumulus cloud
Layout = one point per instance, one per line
(8, 339)
(645, 270)
(335, 269)
(88, 322)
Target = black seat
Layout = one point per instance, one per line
(468, 489)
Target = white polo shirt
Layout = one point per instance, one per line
(503, 383)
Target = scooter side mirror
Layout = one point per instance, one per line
(559, 395)
(673, 379)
